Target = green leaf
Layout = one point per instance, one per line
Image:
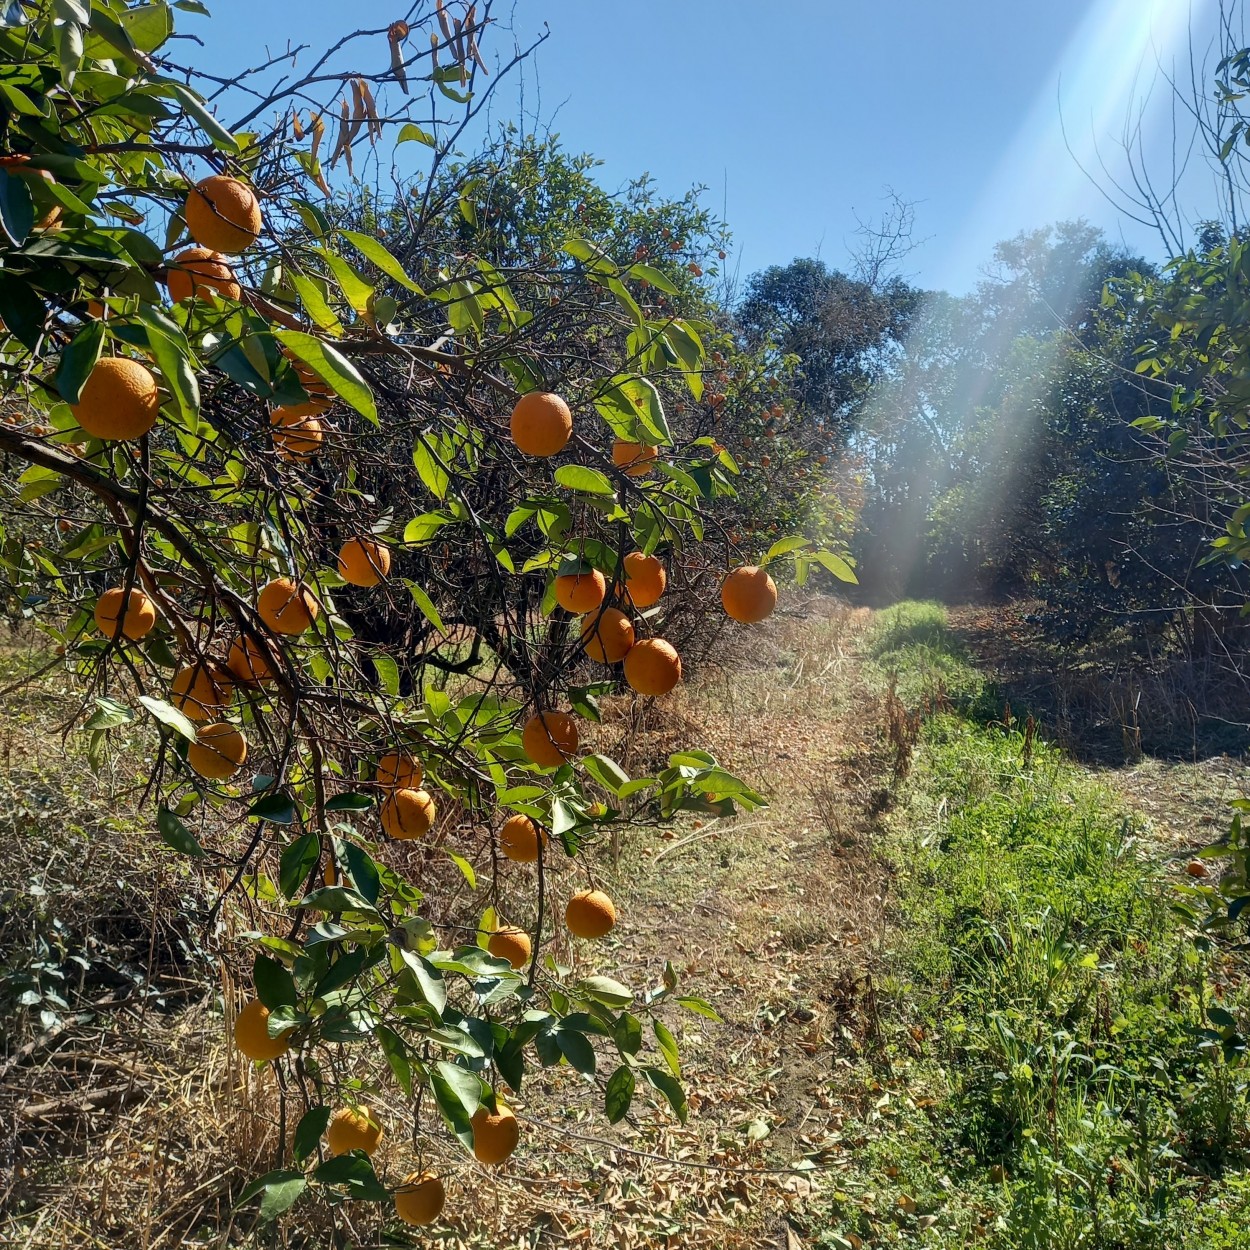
(591, 255)
(668, 1046)
(78, 360)
(430, 469)
(466, 869)
(353, 801)
(784, 545)
(109, 714)
(458, 1094)
(430, 981)
(148, 25)
(308, 1131)
(387, 671)
(607, 772)
(576, 1048)
(172, 354)
(670, 1087)
(618, 1094)
(396, 1056)
(355, 1173)
(648, 273)
(607, 992)
(426, 606)
(374, 252)
(275, 986)
(333, 368)
(198, 112)
(588, 481)
(837, 566)
(169, 715)
(17, 209)
(279, 1192)
(353, 286)
(412, 133)
(296, 864)
(316, 305)
(631, 406)
(278, 808)
(175, 834)
(699, 1006)
(688, 348)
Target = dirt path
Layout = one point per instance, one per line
(773, 918)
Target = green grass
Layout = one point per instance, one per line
(1042, 1008)
(911, 646)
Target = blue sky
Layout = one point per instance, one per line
(800, 122)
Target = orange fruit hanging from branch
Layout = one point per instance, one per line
(420, 1199)
(749, 594)
(223, 214)
(251, 1034)
(119, 400)
(198, 271)
(218, 751)
(541, 424)
(590, 914)
(137, 620)
(653, 666)
(606, 636)
(550, 738)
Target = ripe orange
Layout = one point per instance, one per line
(581, 592)
(315, 386)
(218, 751)
(653, 666)
(749, 594)
(550, 738)
(408, 814)
(400, 770)
(198, 271)
(138, 617)
(285, 607)
(634, 459)
(251, 1033)
(495, 1133)
(364, 561)
(606, 636)
(512, 944)
(541, 424)
(645, 579)
(519, 839)
(353, 1128)
(297, 430)
(420, 1199)
(248, 663)
(119, 400)
(223, 214)
(590, 914)
(201, 690)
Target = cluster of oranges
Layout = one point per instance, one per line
(542, 425)
(421, 1197)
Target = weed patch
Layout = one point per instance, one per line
(1047, 1082)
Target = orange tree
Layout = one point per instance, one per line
(206, 379)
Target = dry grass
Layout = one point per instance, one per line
(132, 1123)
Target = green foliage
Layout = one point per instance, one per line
(1046, 998)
